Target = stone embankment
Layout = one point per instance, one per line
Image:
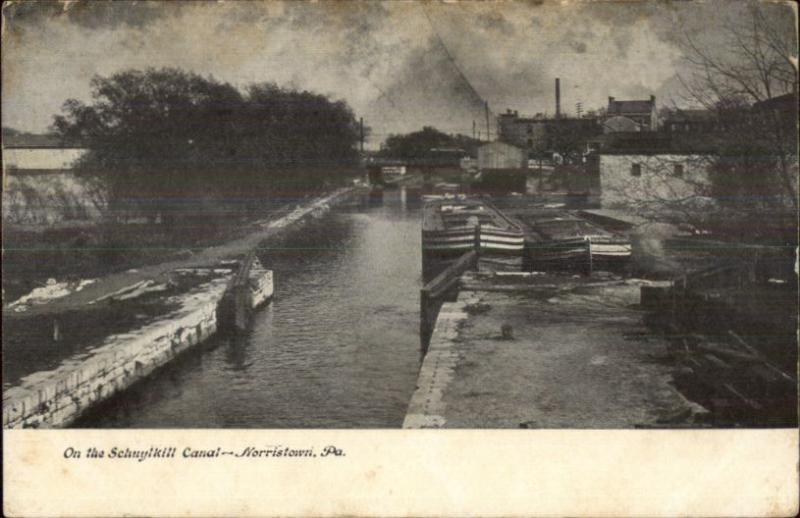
(55, 398)
(258, 232)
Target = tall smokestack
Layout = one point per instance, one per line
(558, 98)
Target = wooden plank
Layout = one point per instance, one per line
(461, 265)
(757, 354)
(722, 352)
(755, 405)
(244, 269)
(440, 290)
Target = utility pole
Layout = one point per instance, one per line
(361, 131)
(488, 131)
(473, 129)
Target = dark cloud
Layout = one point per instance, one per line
(428, 79)
(576, 39)
(400, 64)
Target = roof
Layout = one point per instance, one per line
(525, 120)
(620, 123)
(31, 140)
(691, 116)
(650, 142)
(553, 120)
(617, 107)
(780, 102)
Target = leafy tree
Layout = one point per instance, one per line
(163, 139)
(419, 144)
(10, 132)
(568, 137)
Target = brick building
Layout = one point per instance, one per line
(541, 134)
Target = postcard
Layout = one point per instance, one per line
(420, 258)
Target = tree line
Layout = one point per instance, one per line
(420, 144)
(163, 138)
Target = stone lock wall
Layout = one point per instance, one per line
(56, 398)
(261, 286)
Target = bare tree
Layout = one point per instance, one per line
(750, 83)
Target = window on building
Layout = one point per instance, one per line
(677, 170)
(636, 169)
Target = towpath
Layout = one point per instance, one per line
(262, 230)
(557, 353)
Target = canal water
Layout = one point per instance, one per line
(338, 347)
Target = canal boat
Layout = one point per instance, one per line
(444, 191)
(448, 229)
(563, 238)
(448, 196)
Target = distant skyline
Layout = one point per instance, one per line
(400, 65)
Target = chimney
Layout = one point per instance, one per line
(558, 98)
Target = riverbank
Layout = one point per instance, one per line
(54, 398)
(245, 240)
(542, 350)
(91, 371)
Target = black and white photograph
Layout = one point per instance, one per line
(384, 215)
(373, 215)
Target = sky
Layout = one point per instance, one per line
(399, 65)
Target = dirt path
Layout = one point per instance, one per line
(574, 356)
(160, 272)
